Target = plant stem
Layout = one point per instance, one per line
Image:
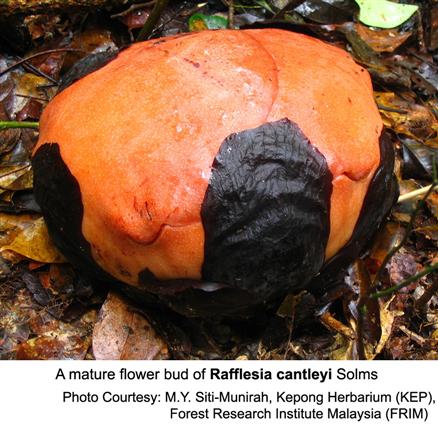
(405, 282)
(149, 25)
(18, 125)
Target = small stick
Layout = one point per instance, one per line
(38, 72)
(390, 109)
(335, 325)
(408, 281)
(35, 55)
(154, 17)
(133, 8)
(231, 14)
(414, 194)
(413, 336)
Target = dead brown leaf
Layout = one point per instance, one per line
(382, 40)
(123, 334)
(408, 118)
(27, 235)
(60, 340)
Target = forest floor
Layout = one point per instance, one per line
(49, 310)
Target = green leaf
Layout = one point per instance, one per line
(384, 13)
(200, 22)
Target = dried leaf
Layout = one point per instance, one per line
(15, 178)
(387, 318)
(432, 203)
(408, 118)
(27, 235)
(382, 40)
(342, 348)
(122, 334)
(60, 341)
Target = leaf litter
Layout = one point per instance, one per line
(48, 310)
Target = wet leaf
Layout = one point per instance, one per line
(383, 13)
(423, 71)
(383, 71)
(122, 334)
(382, 40)
(388, 237)
(27, 235)
(417, 159)
(200, 22)
(327, 11)
(91, 40)
(18, 202)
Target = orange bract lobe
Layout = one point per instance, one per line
(141, 133)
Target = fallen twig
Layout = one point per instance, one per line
(154, 17)
(133, 8)
(429, 269)
(414, 194)
(413, 336)
(331, 323)
(231, 14)
(35, 55)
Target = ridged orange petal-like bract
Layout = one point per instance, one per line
(141, 133)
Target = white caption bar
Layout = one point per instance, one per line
(219, 393)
